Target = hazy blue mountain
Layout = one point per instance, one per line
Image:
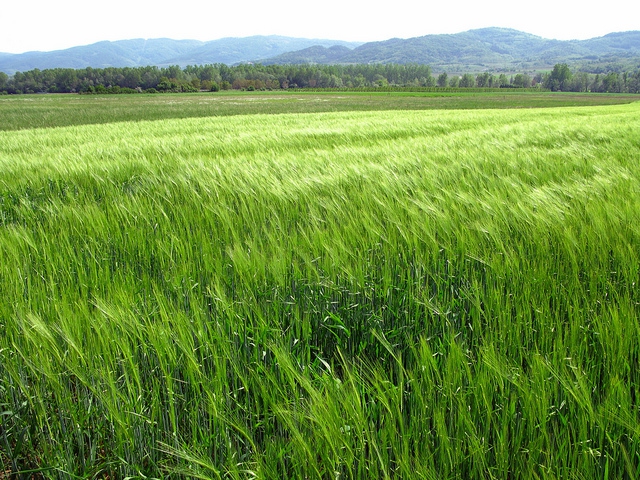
(494, 49)
(236, 50)
(315, 54)
(482, 49)
(162, 52)
(124, 53)
(622, 42)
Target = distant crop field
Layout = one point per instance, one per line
(360, 294)
(38, 111)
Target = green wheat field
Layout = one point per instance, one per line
(392, 294)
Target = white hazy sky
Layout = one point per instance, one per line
(45, 25)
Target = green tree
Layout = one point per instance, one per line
(633, 82)
(483, 79)
(359, 81)
(66, 80)
(503, 81)
(580, 82)
(467, 81)
(4, 79)
(380, 81)
(560, 78)
(335, 81)
(174, 72)
(611, 83)
(442, 79)
(522, 80)
(132, 77)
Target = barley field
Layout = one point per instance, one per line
(335, 295)
(19, 112)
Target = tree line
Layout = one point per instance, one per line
(212, 77)
(216, 77)
(562, 79)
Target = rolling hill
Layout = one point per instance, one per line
(483, 49)
(487, 49)
(162, 52)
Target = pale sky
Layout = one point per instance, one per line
(45, 25)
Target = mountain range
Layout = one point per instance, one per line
(487, 49)
(162, 52)
(492, 49)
